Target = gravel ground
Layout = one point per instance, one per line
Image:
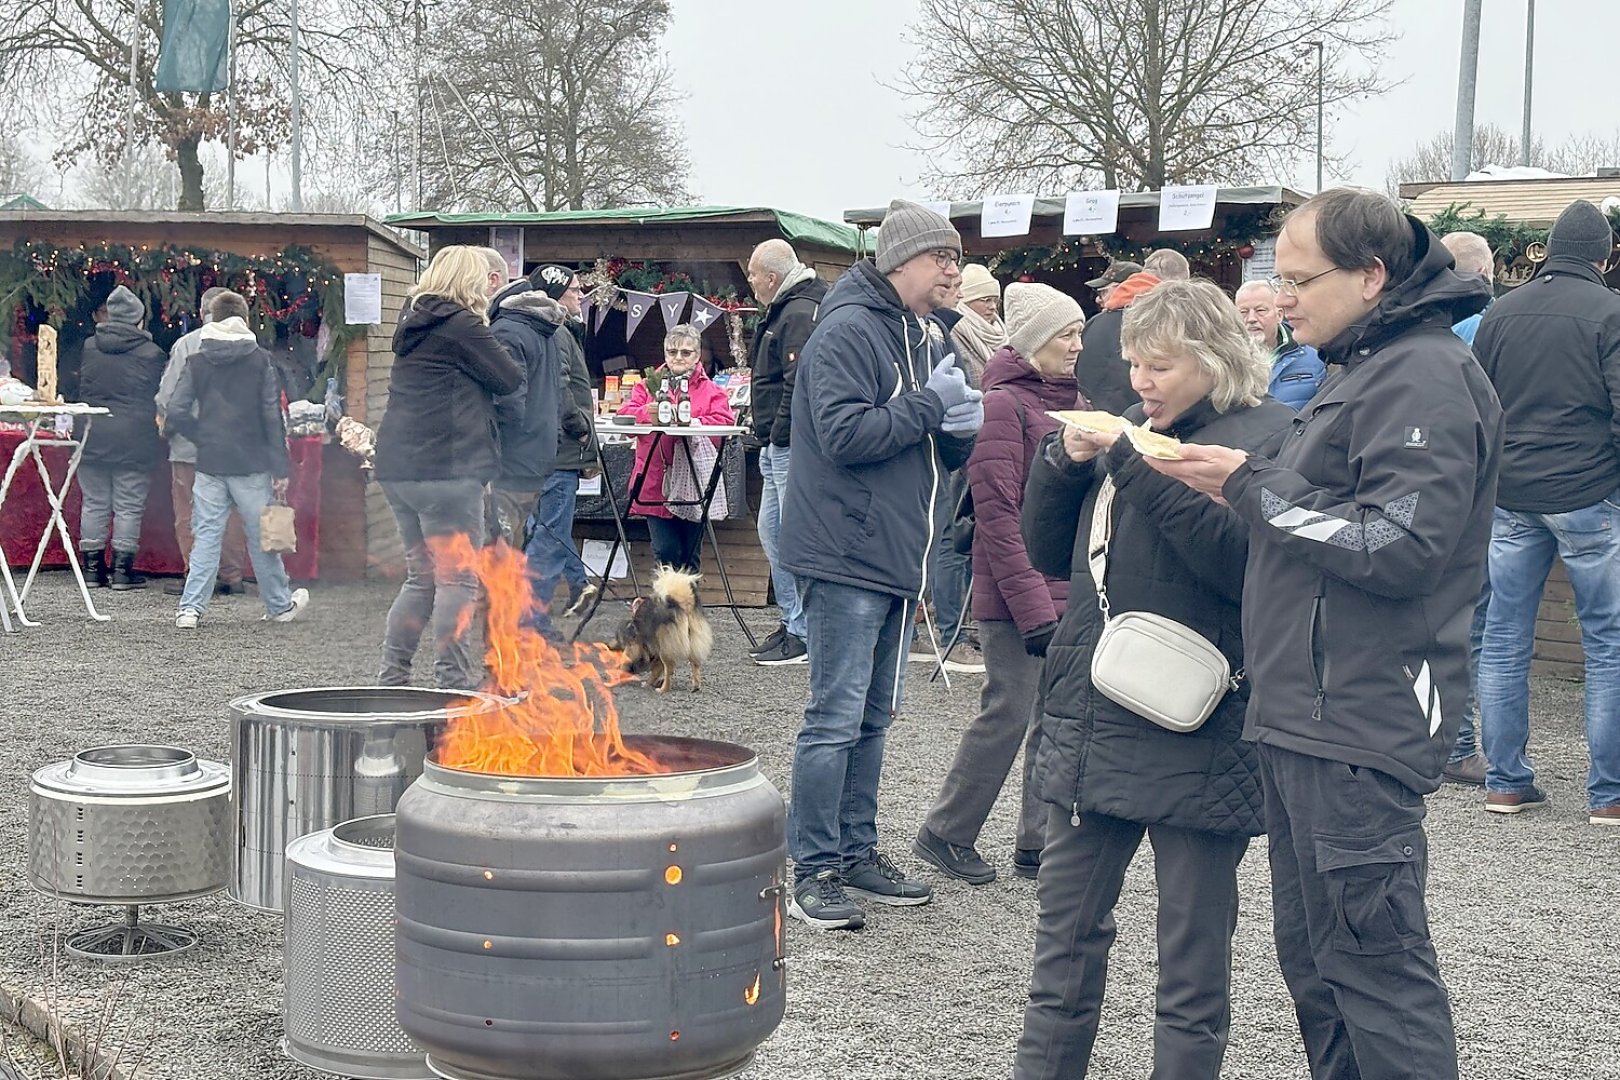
(1523, 908)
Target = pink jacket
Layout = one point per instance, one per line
(709, 406)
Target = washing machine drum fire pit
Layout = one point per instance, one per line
(618, 928)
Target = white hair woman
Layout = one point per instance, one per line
(436, 450)
(1109, 775)
(676, 539)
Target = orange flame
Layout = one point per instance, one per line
(561, 719)
(751, 994)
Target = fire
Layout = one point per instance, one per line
(751, 995)
(561, 720)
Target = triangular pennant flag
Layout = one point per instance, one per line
(585, 306)
(637, 305)
(604, 303)
(673, 304)
(704, 313)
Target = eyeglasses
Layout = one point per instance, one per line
(946, 259)
(680, 352)
(1290, 287)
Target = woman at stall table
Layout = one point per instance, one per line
(436, 451)
(1109, 775)
(676, 541)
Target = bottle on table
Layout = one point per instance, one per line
(683, 411)
(666, 407)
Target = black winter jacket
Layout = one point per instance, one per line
(778, 342)
(120, 370)
(526, 321)
(1551, 348)
(1367, 537)
(1100, 369)
(228, 402)
(576, 446)
(869, 460)
(1173, 552)
(448, 370)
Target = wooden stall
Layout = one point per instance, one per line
(357, 534)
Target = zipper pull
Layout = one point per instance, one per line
(1316, 713)
(1074, 818)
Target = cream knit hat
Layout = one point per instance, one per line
(978, 282)
(1035, 314)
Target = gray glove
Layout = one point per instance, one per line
(964, 419)
(949, 384)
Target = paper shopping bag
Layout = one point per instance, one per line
(276, 531)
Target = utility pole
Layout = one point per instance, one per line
(230, 109)
(1529, 72)
(1320, 110)
(134, 104)
(1462, 138)
(419, 17)
(297, 121)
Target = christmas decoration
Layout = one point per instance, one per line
(1238, 230)
(1508, 239)
(1246, 251)
(611, 281)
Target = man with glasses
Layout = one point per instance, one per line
(1552, 349)
(1296, 371)
(1367, 539)
(880, 412)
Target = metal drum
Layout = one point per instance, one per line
(129, 825)
(306, 760)
(620, 928)
(338, 955)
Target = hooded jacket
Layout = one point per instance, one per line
(1172, 552)
(1367, 539)
(228, 402)
(576, 446)
(1297, 373)
(1016, 401)
(526, 321)
(1101, 370)
(778, 343)
(869, 459)
(448, 370)
(120, 370)
(709, 407)
(1551, 348)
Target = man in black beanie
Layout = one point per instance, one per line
(1552, 349)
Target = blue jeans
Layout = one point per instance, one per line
(1522, 549)
(551, 552)
(211, 500)
(1467, 744)
(948, 571)
(773, 466)
(858, 641)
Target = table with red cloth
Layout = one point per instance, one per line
(26, 513)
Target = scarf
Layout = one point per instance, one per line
(976, 339)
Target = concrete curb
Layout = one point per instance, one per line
(27, 1012)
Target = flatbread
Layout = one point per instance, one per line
(1150, 443)
(1105, 423)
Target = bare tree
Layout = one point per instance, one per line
(20, 172)
(145, 180)
(1430, 160)
(1047, 94)
(80, 51)
(571, 108)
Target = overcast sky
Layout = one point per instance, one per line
(786, 108)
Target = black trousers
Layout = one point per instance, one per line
(1349, 861)
(1082, 871)
(676, 542)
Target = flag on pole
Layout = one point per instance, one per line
(194, 54)
(673, 304)
(637, 306)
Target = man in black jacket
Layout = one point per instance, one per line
(1367, 538)
(791, 294)
(1552, 349)
(1101, 370)
(525, 320)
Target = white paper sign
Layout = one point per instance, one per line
(591, 486)
(1090, 213)
(595, 557)
(1182, 208)
(1006, 215)
(1263, 263)
(943, 209)
(362, 299)
(509, 242)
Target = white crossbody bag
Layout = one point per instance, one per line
(1154, 666)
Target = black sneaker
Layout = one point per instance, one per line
(821, 902)
(791, 651)
(962, 863)
(1027, 863)
(879, 879)
(770, 644)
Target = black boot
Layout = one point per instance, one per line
(124, 576)
(95, 568)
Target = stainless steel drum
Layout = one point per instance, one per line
(305, 760)
(338, 955)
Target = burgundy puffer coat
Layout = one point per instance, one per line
(1016, 400)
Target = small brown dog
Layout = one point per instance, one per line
(666, 629)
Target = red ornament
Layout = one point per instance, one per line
(1246, 251)
(1026, 278)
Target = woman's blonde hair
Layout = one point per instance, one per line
(459, 274)
(1196, 318)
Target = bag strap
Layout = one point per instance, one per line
(1097, 551)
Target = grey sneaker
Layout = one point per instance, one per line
(791, 651)
(877, 878)
(771, 644)
(821, 902)
(962, 863)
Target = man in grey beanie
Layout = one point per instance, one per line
(1552, 349)
(879, 414)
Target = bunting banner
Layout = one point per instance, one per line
(585, 306)
(194, 52)
(604, 303)
(637, 306)
(704, 313)
(673, 304)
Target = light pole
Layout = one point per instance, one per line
(1529, 72)
(297, 118)
(1320, 110)
(1462, 136)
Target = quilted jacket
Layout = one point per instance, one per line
(1173, 552)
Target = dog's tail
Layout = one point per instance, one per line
(676, 587)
